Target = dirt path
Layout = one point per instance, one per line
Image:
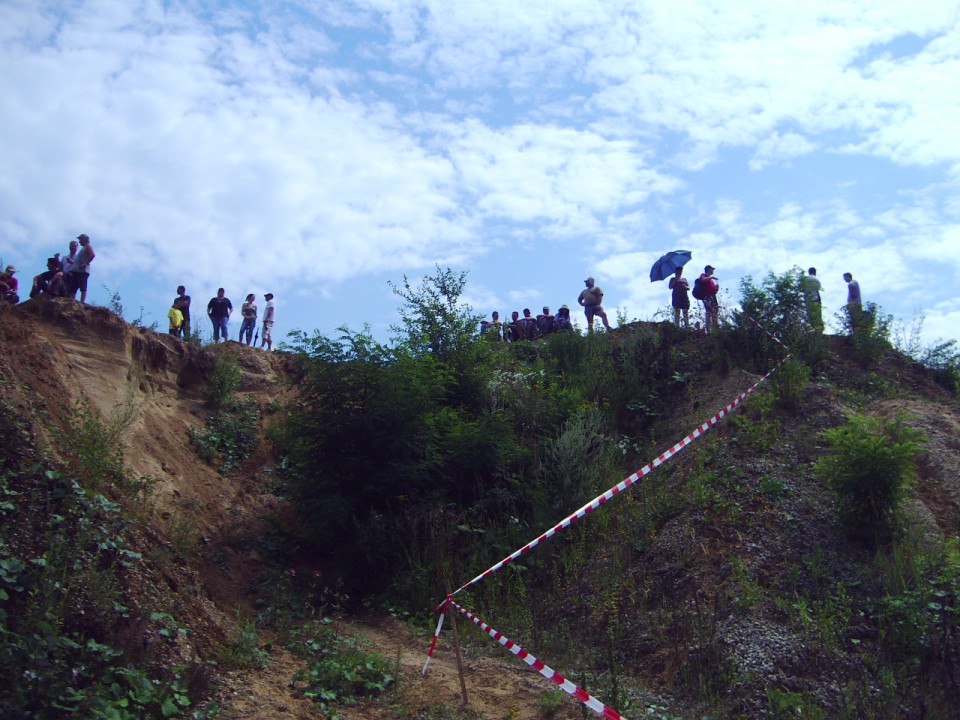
(498, 686)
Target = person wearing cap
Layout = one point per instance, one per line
(9, 285)
(591, 298)
(561, 321)
(268, 315)
(711, 306)
(80, 272)
(544, 322)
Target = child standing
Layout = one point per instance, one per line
(176, 319)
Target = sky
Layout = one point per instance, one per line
(324, 149)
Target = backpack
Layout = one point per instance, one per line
(699, 288)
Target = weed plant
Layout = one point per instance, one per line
(342, 669)
(870, 464)
(65, 624)
(869, 330)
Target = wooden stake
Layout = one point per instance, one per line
(452, 616)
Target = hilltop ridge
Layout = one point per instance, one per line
(717, 581)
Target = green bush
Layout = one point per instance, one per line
(869, 465)
(790, 382)
(225, 381)
(869, 330)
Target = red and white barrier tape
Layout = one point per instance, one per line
(620, 487)
(545, 670)
(436, 635)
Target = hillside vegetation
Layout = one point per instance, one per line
(211, 532)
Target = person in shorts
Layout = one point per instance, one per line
(268, 315)
(591, 298)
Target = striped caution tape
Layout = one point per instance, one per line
(620, 487)
(436, 634)
(538, 665)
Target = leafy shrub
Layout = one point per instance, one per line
(920, 626)
(63, 556)
(869, 331)
(342, 670)
(869, 465)
(790, 381)
(231, 435)
(774, 307)
(225, 381)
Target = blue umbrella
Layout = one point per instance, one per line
(667, 264)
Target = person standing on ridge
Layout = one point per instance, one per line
(218, 310)
(591, 299)
(249, 312)
(80, 272)
(853, 290)
(182, 301)
(268, 315)
(680, 298)
(810, 285)
(709, 289)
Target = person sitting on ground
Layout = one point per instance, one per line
(544, 322)
(9, 286)
(512, 331)
(591, 298)
(492, 329)
(528, 326)
(176, 319)
(50, 282)
(561, 321)
(249, 312)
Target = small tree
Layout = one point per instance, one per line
(776, 306)
(870, 464)
(433, 319)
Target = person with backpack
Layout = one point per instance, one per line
(705, 289)
(680, 299)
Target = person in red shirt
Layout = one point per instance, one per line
(710, 305)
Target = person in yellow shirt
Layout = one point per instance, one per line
(176, 319)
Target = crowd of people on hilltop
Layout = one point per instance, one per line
(219, 310)
(706, 288)
(66, 276)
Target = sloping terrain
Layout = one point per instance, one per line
(201, 547)
(764, 522)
